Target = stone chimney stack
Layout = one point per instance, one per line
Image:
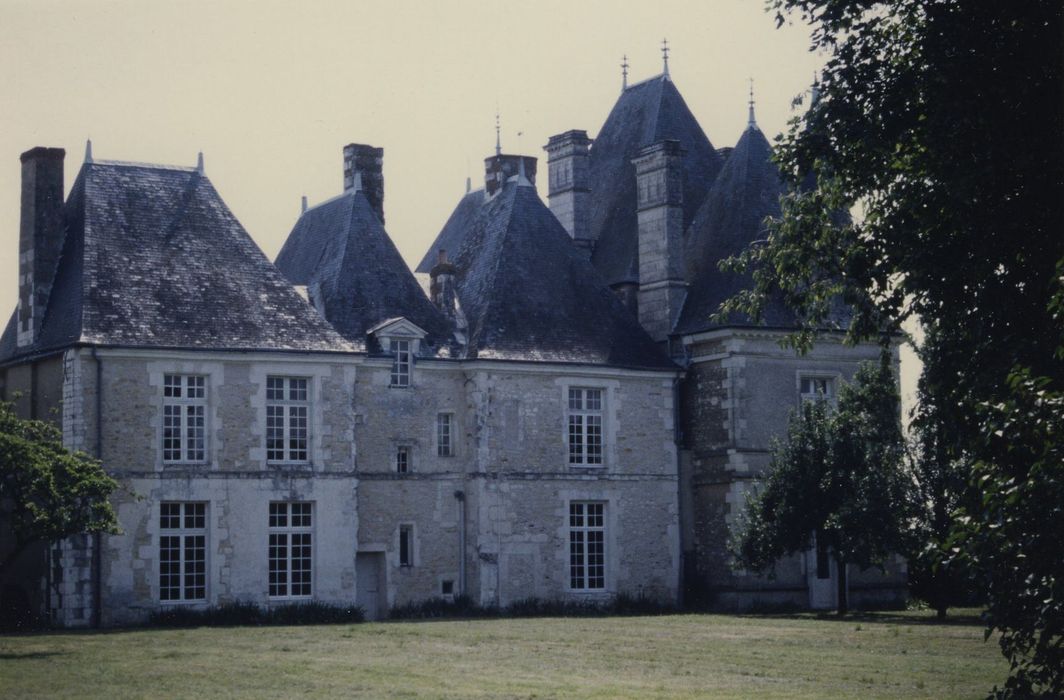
(365, 163)
(569, 168)
(500, 168)
(40, 238)
(659, 184)
(441, 287)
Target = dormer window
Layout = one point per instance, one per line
(400, 340)
(401, 363)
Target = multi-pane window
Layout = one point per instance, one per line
(401, 363)
(182, 551)
(587, 545)
(287, 410)
(402, 459)
(814, 388)
(406, 545)
(585, 426)
(444, 434)
(184, 418)
(290, 552)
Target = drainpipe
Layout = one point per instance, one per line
(459, 496)
(677, 437)
(97, 538)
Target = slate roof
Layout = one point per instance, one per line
(353, 272)
(746, 192)
(154, 258)
(529, 294)
(452, 235)
(645, 113)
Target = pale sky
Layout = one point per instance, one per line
(270, 91)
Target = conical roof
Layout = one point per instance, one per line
(528, 294)
(646, 113)
(152, 257)
(353, 272)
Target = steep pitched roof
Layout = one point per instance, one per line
(451, 236)
(645, 113)
(353, 272)
(154, 258)
(746, 192)
(528, 293)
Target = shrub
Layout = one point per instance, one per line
(244, 613)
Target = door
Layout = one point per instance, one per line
(820, 576)
(370, 594)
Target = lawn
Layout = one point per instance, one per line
(887, 655)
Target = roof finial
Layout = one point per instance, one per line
(751, 122)
(88, 150)
(468, 184)
(199, 163)
(498, 141)
(624, 72)
(522, 178)
(665, 55)
(304, 205)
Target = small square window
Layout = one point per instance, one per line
(447, 587)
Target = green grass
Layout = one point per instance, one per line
(886, 655)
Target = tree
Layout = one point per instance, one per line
(942, 120)
(46, 491)
(839, 475)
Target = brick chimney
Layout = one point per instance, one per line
(659, 207)
(363, 170)
(441, 286)
(569, 168)
(40, 237)
(500, 168)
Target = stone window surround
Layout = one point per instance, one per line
(406, 451)
(214, 375)
(612, 528)
(182, 532)
(611, 405)
(834, 376)
(290, 529)
(287, 403)
(452, 446)
(315, 374)
(185, 384)
(402, 361)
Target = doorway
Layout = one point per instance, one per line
(369, 567)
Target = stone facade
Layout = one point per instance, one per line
(739, 392)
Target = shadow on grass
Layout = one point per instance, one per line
(964, 618)
(27, 655)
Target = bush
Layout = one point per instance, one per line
(236, 614)
(464, 607)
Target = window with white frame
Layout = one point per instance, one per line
(816, 387)
(587, 545)
(184, 418)
(402, 459)
(291, 550)
(445, 434)
(585, 426)
(182, 551)
(401, 362)
(287, 415)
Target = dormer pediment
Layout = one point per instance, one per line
(399, 328)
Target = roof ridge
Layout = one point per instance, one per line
(330, 200)
(138, 164)
(659, 77)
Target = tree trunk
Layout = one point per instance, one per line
(843, 603)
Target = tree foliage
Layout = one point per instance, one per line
(942, 122)
(46, 491)
(839, 475)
